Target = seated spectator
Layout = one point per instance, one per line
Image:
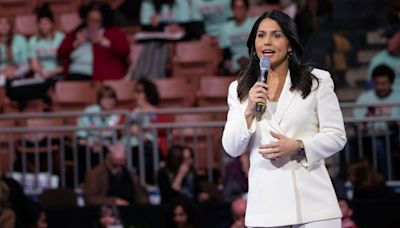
(383, 92)
(233, 38)
(146, 100)
(235, 180)
(43, 46)
(182, 213)
(111, 183)
(14, 63)
(179, 178)
(109, 217)
(95, 141)
(347, 212)
(43, 57)
(40, 217)
(7, 216)
(95, 50)
(390, 56)
(14, 52)
(367, 182)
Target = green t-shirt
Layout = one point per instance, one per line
(235, 38)
(214, 14)
(178, 13)
(19, 47)
(45, 50)
(82, 59)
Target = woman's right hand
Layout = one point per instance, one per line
(80, 38)
(257, 93)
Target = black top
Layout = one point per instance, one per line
(121, 186)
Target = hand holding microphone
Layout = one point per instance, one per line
(265, 64)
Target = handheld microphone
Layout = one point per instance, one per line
(265, 63)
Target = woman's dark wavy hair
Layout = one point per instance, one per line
(300, 74)
(150, 91)
(105, 10)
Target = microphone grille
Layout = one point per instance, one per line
(265, 63)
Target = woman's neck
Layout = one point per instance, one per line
(280, 71)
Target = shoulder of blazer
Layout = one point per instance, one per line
(321, 74)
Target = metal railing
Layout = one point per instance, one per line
(204, 138)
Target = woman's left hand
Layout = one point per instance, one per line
(284, 147)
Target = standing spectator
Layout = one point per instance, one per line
(111, 183)
(179, 178)
(382, 78)
(390, 56)
(95, 50)
(7, 216)
(234, 36)
(214, 13)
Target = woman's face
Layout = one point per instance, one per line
(4, 26)
(94, 20)
(107, 103)
(271, 42)
(45, 25)
(180, 217)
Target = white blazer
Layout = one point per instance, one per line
(288, 191)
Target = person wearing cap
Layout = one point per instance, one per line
(390, 56)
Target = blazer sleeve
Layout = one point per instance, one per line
(94, 189)
(236, 135)
(331, 137)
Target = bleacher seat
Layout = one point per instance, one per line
(73, 95)
(125, 92)
(68, 21)
(175, 92)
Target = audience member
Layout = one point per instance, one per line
(7, 216)
(146, 100)
(95, 50)
(233, 37)
(382, 78)
(40, 217)
(214, 14)
(20, 203)
(172, 17)
(43, 59)
(235, 180)
(179, 178)
(367, 182)
(390, 56)
(127, 13)
(347, 212)
(111, 183)
(14, 52)
(182, 213)
(238, 208)
(43, 46)
(109, 217)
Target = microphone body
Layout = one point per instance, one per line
(265, 63)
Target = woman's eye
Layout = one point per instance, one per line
(277, 35)
(260, 35)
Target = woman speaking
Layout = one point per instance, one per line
(289, 139)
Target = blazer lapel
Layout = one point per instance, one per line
(285, 100)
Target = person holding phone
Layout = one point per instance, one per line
(95, 50)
